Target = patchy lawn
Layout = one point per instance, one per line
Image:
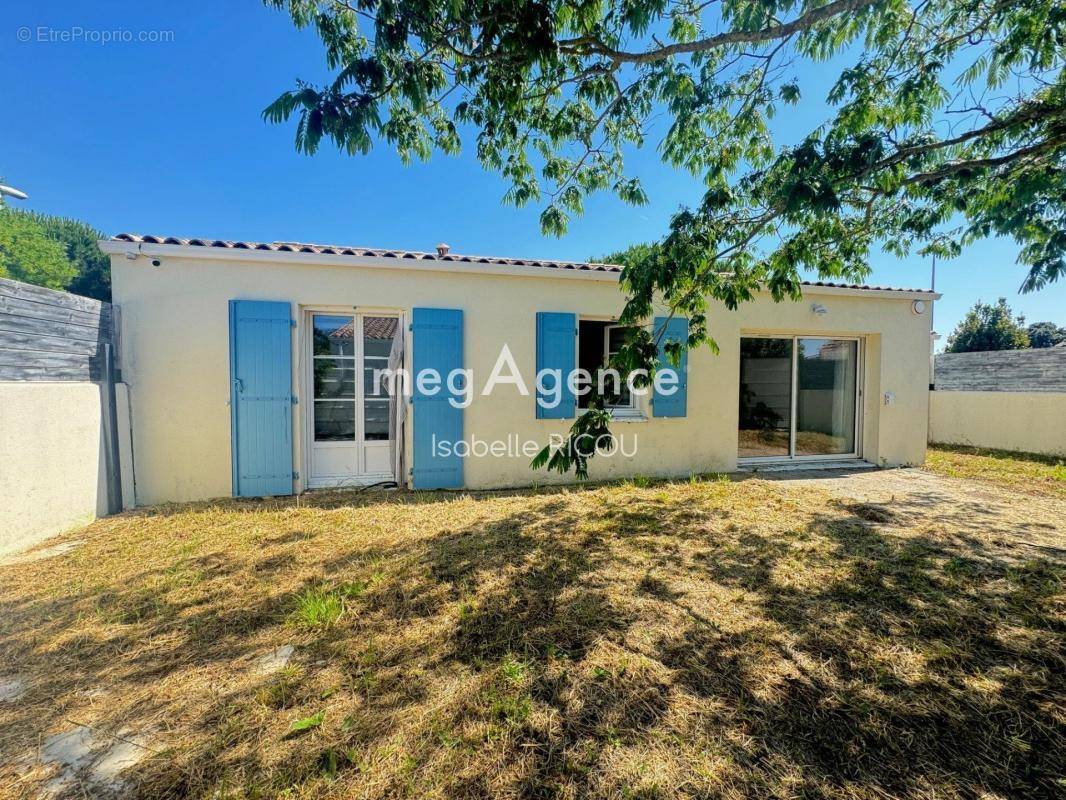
(1024, 472)
(699, 639)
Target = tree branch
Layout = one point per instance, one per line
(592, 46)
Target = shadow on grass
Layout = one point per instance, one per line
(661, 642)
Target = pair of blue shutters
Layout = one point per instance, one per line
(262, 399)
(557, 350)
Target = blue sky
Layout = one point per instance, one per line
(167, 138)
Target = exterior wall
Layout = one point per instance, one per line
(53, 472)
(176, 363)
(1030, 422)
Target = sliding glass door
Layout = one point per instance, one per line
(798, 397)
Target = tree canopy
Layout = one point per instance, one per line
(1045, 334)
(54, 252)
(988, 327)
(945, 123)
(27, 253)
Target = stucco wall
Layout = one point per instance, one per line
(52, 473)
(176, 362)
(1031, 422)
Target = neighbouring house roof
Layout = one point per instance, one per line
(373, 328)
(417, 255)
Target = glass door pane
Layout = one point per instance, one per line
(827, 376)
(765, 397)
(333, 374)
(616, 339)
(378, 333)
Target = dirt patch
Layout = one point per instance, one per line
(918, 497)
(42, 553)
(276, 659)
(80, 762)
(11, 689)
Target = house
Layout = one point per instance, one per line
(251, 369)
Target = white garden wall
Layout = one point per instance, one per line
(1031, 422)
(60, 422)
(53, 473)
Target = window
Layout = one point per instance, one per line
(334, 378)
(612, 342)
(597, 342)
(342, 347)
(378, 333)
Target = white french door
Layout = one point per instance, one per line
(800, 398)
(349, 409)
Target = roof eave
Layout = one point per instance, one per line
(871, 291)
(121, 247)
(113, 247)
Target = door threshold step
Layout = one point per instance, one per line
(810, 466)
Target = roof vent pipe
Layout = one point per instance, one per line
(442, 250)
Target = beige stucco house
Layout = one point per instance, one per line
(250, 370)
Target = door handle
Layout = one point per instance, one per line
(238, 384)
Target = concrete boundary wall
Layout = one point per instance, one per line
(53, 474)
(1030, 422)
(61, 420)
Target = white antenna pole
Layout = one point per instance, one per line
(10, 191)
(932, 329)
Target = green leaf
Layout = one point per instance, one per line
(302, 726)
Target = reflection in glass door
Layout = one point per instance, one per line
(349, 414)
(826, 377)
(798, 397)
(765, 397)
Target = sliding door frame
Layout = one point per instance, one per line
(860, 380)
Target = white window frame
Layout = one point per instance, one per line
(636, 410)
(307, 426)
(619, 409)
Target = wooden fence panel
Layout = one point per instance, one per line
(1035, 370)
(47, 335)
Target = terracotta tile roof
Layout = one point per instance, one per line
(865, 286)
(373, 328)
(366, 252)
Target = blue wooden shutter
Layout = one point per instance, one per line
(437, 344)
(676, 404)
(556, 350)
(260, 334)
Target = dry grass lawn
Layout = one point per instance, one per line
(1023, 472)
(641, 640)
